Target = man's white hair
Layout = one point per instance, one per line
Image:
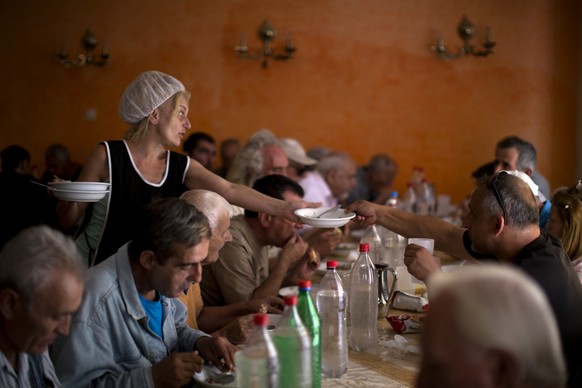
(499, 307)
(247, 167)
(212, 205)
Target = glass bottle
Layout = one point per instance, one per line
(310, 318)
(293, 346)
(331, 303)
(363, 302)
(257, 365)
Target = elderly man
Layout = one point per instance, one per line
(232, 321)
(229, 148)
(299, 162)
(502, 226)
(332, 180)
(489, 327)
(514, 153)
(262, 155)
(201, 147)
(58, 162)
(374, 180)
(41, 286)
(130, 331)
(243, 271)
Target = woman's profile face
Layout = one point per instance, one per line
(173, 121)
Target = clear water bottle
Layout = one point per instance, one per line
(257, 364)
(426, 199)
(293, 346)
(363, 302)
(372, 238)
(332, 303)
(409, 200)
(310, 318)
(393, 201)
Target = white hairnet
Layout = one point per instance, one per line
(145, 93)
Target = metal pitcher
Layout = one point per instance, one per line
(385, 290)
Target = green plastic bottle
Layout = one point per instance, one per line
(310, 317)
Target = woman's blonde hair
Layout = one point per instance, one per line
(139, 130)
(568, 204)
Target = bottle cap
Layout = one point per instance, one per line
(305, 285)
(332, 264)
(261, 319)
(364, 247)
(290, 300)
(394, 194)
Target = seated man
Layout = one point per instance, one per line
(465, 345)
(514, 153)
(243, 271)
(374, 180)
(130, 331)
(201, 147)
(229, 148)
(502, 226)
(299, 162)
(58, 163)
(233, 321)
(41, 286)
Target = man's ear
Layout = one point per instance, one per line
(499, 224)
(9, 298)
(265, 219)
(147, 259)
(528, 171)
(504, 368)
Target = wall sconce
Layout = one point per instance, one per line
(89, 43)
(466, 31)
(266, 33)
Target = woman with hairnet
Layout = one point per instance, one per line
(140, 167)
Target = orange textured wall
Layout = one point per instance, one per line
(363, 79)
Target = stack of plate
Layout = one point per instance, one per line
(79, 191)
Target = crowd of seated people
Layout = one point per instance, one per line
(174, 271)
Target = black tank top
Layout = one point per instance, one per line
(130, 194)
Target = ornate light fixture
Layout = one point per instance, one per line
(89, 43)
(266, 33)
(466, 31)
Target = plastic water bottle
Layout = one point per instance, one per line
(293, 346)
(409, 200)
(426, 199)
(257, 364)
(372, 238)
(331, 303)
(310, 318)
(393, 201)
(364, 302)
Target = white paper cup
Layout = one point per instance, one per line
(427, 243)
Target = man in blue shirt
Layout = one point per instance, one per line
(130, 330)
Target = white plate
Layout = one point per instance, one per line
(211, 377)
(80, 186)
(79, 196)
(291, 290)
(332, 219)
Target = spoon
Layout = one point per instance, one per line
(329, 210)
(43, 185)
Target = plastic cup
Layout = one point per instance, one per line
(427, 243)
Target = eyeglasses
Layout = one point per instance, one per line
(498, 194)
